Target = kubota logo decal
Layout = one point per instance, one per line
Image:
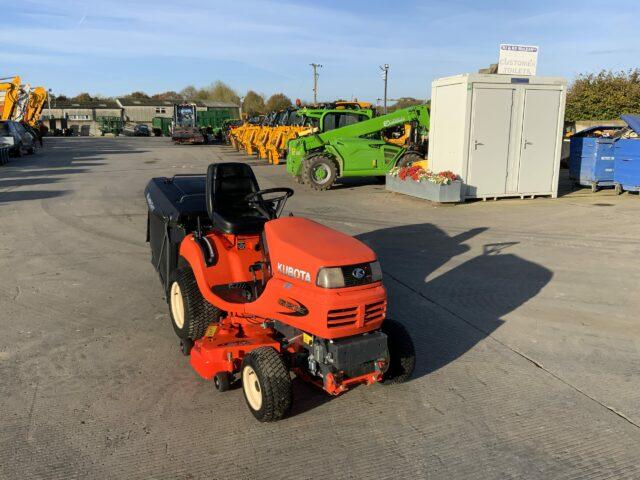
(294, 272)
(297, 309)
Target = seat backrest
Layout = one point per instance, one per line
(227, 185)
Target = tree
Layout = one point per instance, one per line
(603, 96)
(168, 95)
(278, 101)
(83, 97)
(189, 92)
(138, 95)
(405, 102)
(219, 92)
(253, 103)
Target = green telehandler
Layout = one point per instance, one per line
(358, 150)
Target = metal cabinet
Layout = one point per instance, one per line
(501, 134)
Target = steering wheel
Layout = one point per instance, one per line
(270, 207)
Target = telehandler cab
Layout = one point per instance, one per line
(256, 296)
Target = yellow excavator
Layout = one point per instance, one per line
(9, 96)
(37, 99)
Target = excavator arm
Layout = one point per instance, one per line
(37, 99)
(9, 95)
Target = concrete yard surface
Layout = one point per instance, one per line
(524, 314)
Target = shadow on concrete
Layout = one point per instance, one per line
(449, 311)
(356, 182)
(21, 182)
(8, 197)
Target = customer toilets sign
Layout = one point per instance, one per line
(518, 60)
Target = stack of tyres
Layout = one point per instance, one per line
(627, 158)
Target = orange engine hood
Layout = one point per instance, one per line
(299, 247)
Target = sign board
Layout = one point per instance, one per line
(518, 60)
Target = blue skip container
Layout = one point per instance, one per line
(591, 158)
(627, 162)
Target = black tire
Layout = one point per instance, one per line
(266, 367)
(402, 354)
(197, 313)
(31, 151)
(186, 344)
(408, 158)
(222, 381)
(18, 151)
(317, 163)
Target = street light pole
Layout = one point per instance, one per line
(49, 102)
(385, 76)
(240, 109)
(315, 81)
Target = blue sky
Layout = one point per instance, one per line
(112, 47)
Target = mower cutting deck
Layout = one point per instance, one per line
(257, 296)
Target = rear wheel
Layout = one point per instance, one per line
(266, 384)
(402, 354)
(319, 172)
(408, 159)
(190, 312)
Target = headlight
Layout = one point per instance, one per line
(349, 276)
(330, 278)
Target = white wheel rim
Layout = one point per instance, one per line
(177, 305)
(251, 387)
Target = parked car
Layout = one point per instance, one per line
(16, 136)
(141, 130)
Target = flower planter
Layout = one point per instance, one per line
(451, 193)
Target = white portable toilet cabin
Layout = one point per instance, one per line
(501, 133)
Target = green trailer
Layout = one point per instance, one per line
(358, 149)
(213, 121)
(109, 125)
(161, 126)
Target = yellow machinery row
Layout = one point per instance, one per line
(20, 102)
(266, 141)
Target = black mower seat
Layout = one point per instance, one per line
(227, 186)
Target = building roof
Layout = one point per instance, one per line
(151, 102)
(57, 104)
(146, 102)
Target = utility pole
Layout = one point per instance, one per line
(385, 76)
(240, 109)
(49, 102)
(315, 80)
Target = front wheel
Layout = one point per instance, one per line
(266, 384)
(190, 313)
(402, 353)
(319, 172)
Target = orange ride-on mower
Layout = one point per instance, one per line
(254, 297)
